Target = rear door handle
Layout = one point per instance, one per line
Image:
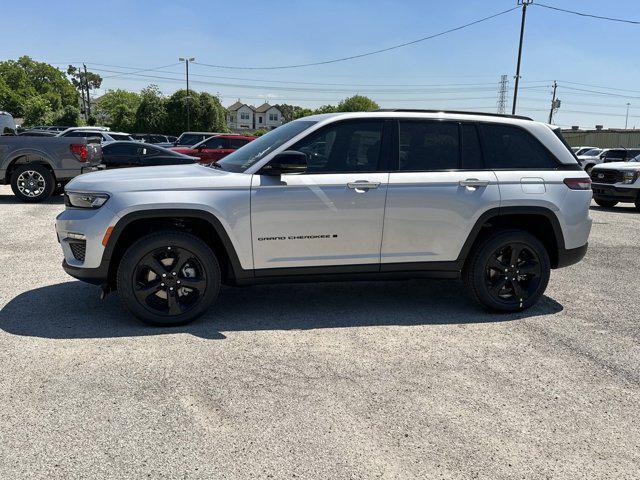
(473, 182)
(363, 185)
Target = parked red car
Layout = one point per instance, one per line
(214, 148)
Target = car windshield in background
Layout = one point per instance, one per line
(191, 139)
(117, 136)
(254, 151)
(591, 153)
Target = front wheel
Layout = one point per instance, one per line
(32, 183)
(508, 271)
(168, 278)
(605, 203)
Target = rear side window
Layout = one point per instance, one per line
(471, 151)
(426, 145)
(121, 149)
(236, 143)
(216, 143)
(507, 147)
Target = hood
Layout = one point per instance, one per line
(620, 166)
(172, 177)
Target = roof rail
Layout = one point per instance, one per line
(458, 112)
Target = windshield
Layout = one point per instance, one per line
(189, 139)
(591, 153)
(254, 151)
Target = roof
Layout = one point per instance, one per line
(264, 107)
(238, 105)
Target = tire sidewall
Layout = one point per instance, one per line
(605, 203)
(488, 247)
(49, 182)
(126, 271)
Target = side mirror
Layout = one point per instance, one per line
(289, 161)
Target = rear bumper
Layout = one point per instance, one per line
(95, 276)
(571, 256)
(614, 193)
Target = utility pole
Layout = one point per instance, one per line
(524, 4)
(84, 103)
(626, 121)
(86, 84)
(502, 94)
(186, 60)
(553, 101)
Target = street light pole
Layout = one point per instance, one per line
(524, 4)
(626, 121)
(186, 60)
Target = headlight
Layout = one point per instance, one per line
(85, 200)
(629, 177)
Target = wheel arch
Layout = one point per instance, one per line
(541, 222)
(34, 157)
(203, 224)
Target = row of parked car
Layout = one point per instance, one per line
(38, 163)
(592, 156)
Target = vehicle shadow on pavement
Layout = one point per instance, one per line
(13, 200)
(73, 310)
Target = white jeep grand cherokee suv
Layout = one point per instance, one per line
(617, 182)
(495, 200)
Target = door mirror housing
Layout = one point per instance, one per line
(289, 161)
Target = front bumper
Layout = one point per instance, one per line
(614, 192)
(95, 276)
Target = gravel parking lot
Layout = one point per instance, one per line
(350, 380)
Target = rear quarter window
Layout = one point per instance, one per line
(507, 147)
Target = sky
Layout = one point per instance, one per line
(460, 70)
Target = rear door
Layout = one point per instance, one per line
(331, 215)
(438, 191)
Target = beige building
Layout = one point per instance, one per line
(242, 117)
(602, 138)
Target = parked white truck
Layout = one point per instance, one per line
(617, 182)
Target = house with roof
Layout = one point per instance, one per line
(267, 117)
(241, 116)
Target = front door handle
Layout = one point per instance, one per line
(362, 185)
(473, 183)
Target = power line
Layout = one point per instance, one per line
(621, 20)
(361, 55)
(142, 70)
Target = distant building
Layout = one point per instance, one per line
(242, 117)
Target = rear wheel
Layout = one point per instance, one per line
(605, 203)
(508, 271)
(638, 202)
(32, 183)
(168, 278)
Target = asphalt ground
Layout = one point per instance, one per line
(405, 380)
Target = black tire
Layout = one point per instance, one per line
(638, 203)
(168, 300)
(605, 203)
(32, 183)
(523, 282)
(58, 190)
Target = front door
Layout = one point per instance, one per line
(436, 195)
(330, 216)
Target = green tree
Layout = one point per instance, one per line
(151, 114)
(205, 113)
(357, 103)
(117, 109)
(25, 78)
(69, 116)
(37, 111)
(326, 109)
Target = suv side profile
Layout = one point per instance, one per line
(495, 200)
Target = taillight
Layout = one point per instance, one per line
(80, 151)
(578, 183)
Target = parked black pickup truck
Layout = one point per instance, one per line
(38, 167)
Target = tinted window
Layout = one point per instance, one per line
(507, 147)
(191, 139)
(428, 145)
(343, 147)
(237, 142)
(119, 136)
(122, 149)
(216, 143)
(615, 154)
(471, 151)
(148, 151)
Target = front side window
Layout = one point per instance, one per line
(352, 146)
(215, 143)
(254, 151)
(507, 147)
(429, 145)
(471, 151)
